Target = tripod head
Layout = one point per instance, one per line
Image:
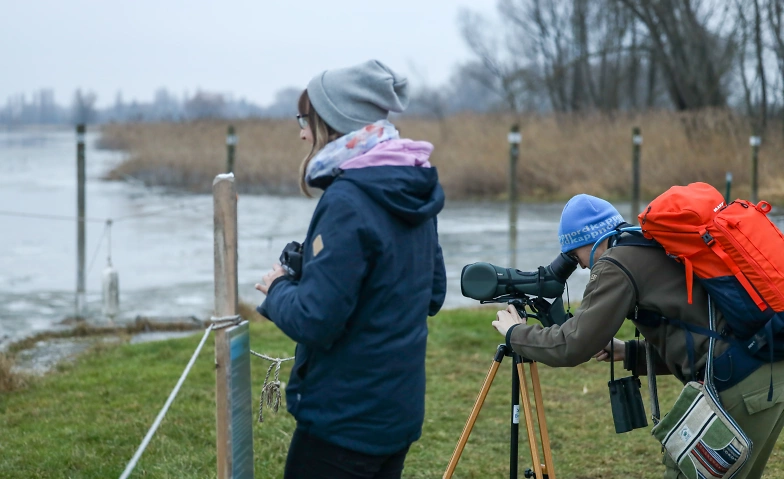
(547, 313)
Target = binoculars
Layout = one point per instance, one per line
(626, 402)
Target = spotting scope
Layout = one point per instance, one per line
(489, 283)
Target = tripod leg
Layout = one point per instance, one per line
(548, 454)
(529, 421)
(469, 425)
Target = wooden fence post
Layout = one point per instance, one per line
(234, 416)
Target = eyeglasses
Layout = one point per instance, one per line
(303, 121)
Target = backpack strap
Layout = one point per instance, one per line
(629, 235)
(717, 249)
(738, 359)
(623, 235)
(653, 319)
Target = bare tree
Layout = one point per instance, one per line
(758, 47)
(205, 105)
(543, 28)
(775, 10)
(584, 51)
(509, 77)
(622, 54)
(83, 107)
(695, 60)
(743, 43)
(468, 90)
(755, 85)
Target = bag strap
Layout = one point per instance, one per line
(711, 346)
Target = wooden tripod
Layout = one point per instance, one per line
(519, 388)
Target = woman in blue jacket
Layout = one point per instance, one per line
(372, 272)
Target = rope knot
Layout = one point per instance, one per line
(225, 321)
(270, 390)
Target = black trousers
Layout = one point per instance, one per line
(312, 458)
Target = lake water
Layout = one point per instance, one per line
(162, 242)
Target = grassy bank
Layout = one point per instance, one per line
(87, 420)
(560, 155)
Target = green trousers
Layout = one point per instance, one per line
(761, 420)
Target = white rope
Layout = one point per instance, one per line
(151, 432)
(270, 390)
(98, 247)
(225, 321)
(276, 360)
(50, 217)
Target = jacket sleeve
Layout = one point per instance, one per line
(439, 278)
(315, 310)
(636, 349)
(608, 297)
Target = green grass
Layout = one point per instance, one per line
(87, 419)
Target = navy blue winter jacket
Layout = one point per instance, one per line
(372, 272)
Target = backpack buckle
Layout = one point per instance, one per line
(707, 238)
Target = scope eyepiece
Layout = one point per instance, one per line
(562, 267)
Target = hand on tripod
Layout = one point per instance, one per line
(505, 319)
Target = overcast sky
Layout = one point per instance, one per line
(248, 48)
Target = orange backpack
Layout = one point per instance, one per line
(735, 251)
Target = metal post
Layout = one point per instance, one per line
(755, 142)
(514, 139)
(231, 143)
(636, 144)
(727, 198)
(80, 229)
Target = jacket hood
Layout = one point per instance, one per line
(397, 175)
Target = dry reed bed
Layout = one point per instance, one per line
(559, 156)
(9, 381)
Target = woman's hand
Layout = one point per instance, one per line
(267, 279)
(507, 318)
(618, 348)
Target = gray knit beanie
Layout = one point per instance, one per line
(350, 98)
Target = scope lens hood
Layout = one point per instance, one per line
(479, 281)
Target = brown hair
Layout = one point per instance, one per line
(322, 134)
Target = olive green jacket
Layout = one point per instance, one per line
(652, 281)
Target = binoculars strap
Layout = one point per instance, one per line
(652, 391)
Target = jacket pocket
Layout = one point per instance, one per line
(757, 400)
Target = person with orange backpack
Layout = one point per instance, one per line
(635, 277)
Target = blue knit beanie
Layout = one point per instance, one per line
(585, 218)
(350, 98)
